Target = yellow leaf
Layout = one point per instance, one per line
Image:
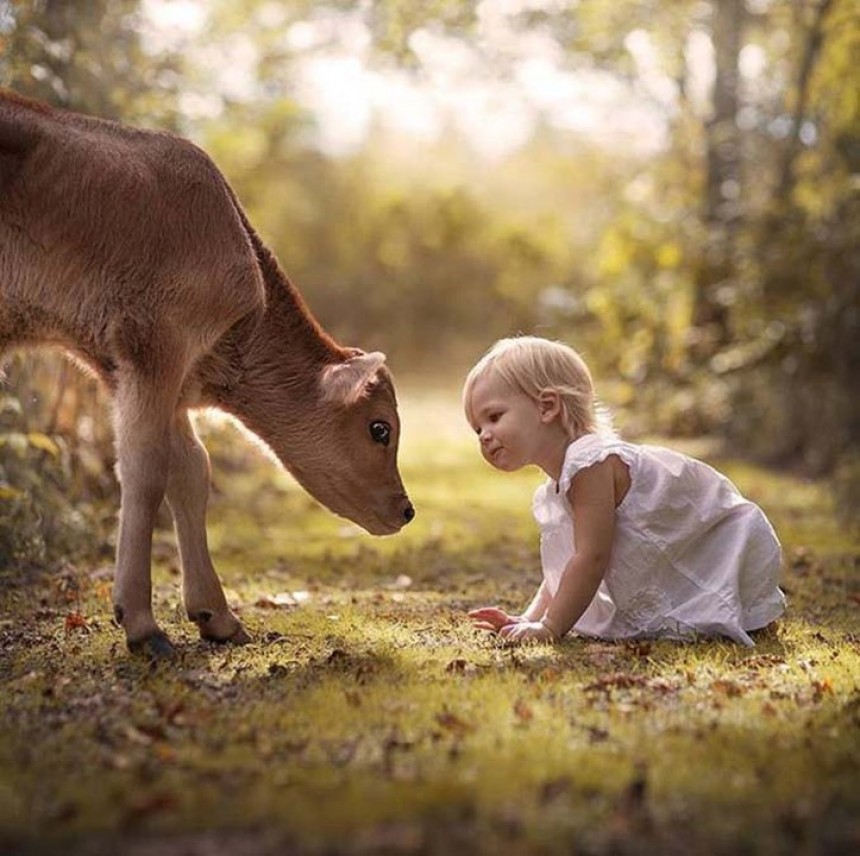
(43, 442)
(668, 255)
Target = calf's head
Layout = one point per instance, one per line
(350, 466)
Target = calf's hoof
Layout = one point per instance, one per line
(240, 637)
(156, 646)
(220, 628)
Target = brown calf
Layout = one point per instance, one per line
(127, 249)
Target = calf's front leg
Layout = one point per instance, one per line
(187, 496)
(142, 431)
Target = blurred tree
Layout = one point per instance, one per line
(797, 356)
(417, 270)
(387, 255)
(88, 55)
(721, 210)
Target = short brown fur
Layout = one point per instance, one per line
(128, 249)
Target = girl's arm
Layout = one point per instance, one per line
(493, 618)
(592, 498)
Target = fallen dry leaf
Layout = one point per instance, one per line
(76, 621)
(460, 666)
(523, 712)
(616, 680)
(727, 687)
(453, 723)
(821, 688)
(283, 600)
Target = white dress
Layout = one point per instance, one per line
(690, 556)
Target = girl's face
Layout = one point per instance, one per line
(509, 424)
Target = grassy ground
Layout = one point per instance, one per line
(367, 717)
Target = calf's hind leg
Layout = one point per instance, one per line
(187, 496)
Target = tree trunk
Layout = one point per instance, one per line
(721, 213)
(814, 41)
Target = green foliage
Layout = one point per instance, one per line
(87, 55)
(414, 264)
(39, 522)
(392, 23)
(56, 486)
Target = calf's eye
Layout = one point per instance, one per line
(380, 432)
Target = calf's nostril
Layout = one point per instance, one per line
(409, 513)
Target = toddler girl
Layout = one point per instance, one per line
(635, 540)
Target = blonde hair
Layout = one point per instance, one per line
(532, 365)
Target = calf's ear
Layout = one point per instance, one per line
(345, 382)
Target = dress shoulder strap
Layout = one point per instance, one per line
(591, 449)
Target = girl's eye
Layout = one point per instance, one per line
(380, 432)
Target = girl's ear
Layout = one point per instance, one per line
(549, 405)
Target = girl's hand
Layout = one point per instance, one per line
(492, 618)
(527, 631)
